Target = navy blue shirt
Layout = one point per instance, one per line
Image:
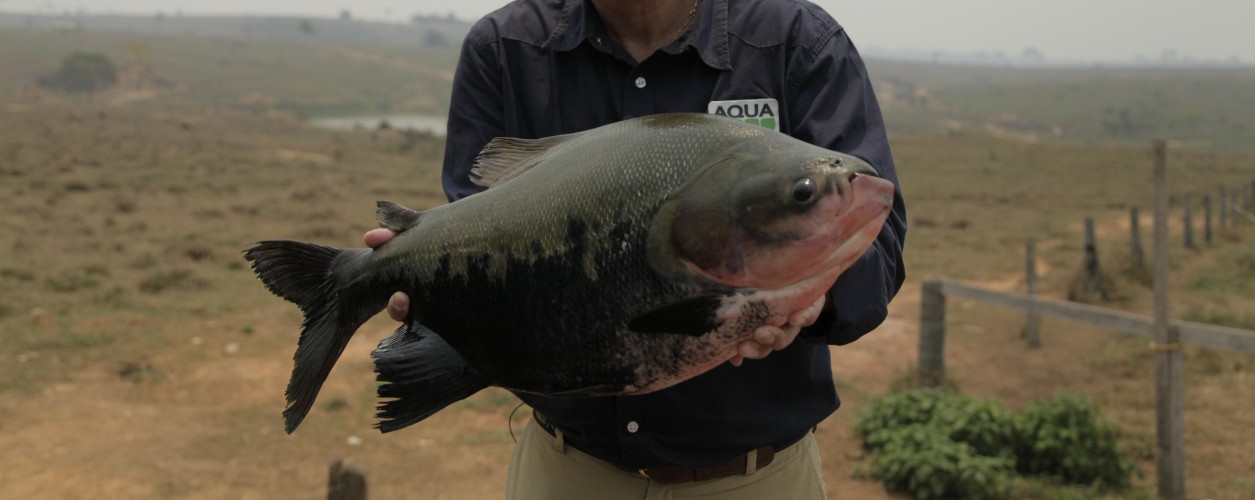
(537, 68)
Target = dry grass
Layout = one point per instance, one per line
(141, 359)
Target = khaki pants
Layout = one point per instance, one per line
(543, 468)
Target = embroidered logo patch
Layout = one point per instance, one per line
(762, 112)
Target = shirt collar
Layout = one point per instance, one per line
(708, 34)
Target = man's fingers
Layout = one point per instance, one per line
(807, 317)
(768, 335)
(753, 350)
(399, 306)
(398, 303)
(376, 237)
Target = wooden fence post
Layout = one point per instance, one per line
(1244, 208)
(1252, 207)
(1169, 402)
(1032, 331)
(1188, 221)
(347, 481)
(1207, 219)
(1092, 285)
(1224, 209)
(1135, 240)
(932, 334)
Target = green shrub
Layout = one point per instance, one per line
(1066, 438)
(924, 461)
(884, 416)
(935, 443)
(982, 424)
(82, 72)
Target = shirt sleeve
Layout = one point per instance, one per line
(475, 111)
(833, 106)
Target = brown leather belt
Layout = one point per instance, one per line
(736, 466)
(739, 464)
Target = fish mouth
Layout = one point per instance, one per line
(845, 228)
(866, 201)
(868, 204)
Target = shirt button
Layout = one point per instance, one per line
(632, 427)
(640, 82)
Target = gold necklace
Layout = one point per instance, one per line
(687, 22)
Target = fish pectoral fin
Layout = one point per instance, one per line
(396, 217)
(504, 158)
(421, 374)
(695, 316)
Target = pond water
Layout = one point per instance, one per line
(434, 124)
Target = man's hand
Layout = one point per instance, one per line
(774, 338)
(399, 303)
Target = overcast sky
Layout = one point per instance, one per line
(1088, 30)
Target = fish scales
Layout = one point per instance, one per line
(505, 258)
(620, 260)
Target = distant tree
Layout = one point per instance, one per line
(1032, 54)
(435, 39)
(306, 27)
(346, 15)
(83, 72)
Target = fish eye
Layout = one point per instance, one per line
(804, 191)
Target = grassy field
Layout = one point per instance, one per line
(140, 358)
(1208, 108)
(310, 79)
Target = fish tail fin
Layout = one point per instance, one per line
(422, 374)
(304, 273)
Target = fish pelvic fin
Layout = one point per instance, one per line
(421, 374)
(304, 273)
(396, 217)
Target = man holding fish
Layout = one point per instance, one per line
(541, 68)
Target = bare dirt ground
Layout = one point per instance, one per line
(140, 359)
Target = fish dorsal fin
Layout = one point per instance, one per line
(395, 217)
(693, 317)
(504, 158)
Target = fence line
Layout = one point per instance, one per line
(932, 368)
(1200, 334)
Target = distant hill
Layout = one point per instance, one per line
(1206, 107)
(333, 67)
(310, 78)
(424, 31)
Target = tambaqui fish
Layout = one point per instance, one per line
(619, 260)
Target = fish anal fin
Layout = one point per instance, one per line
(396, 217)
(421, 374)
(504, 158)
(694, 317)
